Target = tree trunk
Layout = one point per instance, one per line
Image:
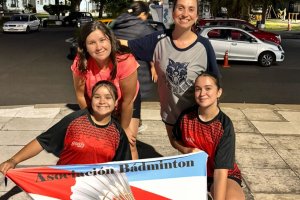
(75, 5)
(264, 12)
(101, 7)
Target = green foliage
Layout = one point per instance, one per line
(30, 8)
(117, 7)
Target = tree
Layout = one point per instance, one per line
(241, 8)
(112, 8)
(117, 7)
(56, 9)
(75, 5)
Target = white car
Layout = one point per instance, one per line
(22, 23)
(242, 46)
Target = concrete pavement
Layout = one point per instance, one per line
(267, 146)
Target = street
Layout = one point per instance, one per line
(35, 69)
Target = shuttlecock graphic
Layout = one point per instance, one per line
(112, 186)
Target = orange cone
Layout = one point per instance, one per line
(225, 65)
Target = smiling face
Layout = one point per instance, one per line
(103, 101)
(185, 13)
(98, 46)
(207, 91)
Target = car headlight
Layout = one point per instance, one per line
(280, 48)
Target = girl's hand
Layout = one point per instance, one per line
(190, 150)
(153, 72)
(195, 150)
(154, 75)
(5, 166)
(131, 137)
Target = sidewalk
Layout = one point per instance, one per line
(267, 143)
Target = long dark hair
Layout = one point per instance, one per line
(116, 47)
(214, 77)
(137, 7)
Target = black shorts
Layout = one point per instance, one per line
(137, 106)
(210, 181)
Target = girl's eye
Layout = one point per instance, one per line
(179, 7)
(92, 42)
(197, 89)
(192, 9)
(102, 40)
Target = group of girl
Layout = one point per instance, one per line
(107, 91)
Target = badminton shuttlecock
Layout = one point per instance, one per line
(112, 186)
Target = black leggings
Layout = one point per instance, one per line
(137, 106)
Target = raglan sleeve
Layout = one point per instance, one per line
(143, 48)
(176, 131)
(52, 140)
(225, 153)
(123, 151)
(127, 66)
(212, 65)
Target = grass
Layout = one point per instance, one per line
(279, 25)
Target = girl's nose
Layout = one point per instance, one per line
(202, 92)
(98, 45)
(185, 12)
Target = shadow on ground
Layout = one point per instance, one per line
(146, 151)
(15, 190)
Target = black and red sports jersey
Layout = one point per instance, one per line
(76, 139)
(215, 137)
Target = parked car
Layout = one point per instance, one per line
(77, 19)
(238, 23)
(22, 23)
(242, 45)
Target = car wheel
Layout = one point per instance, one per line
(266, 59)
(27, 29)
(38, 28)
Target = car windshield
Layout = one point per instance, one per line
(23, 18)
(246, 27)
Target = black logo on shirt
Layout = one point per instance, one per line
(176, 74)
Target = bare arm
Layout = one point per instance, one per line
(30, 150)
(153, 72)
(128, 89)
(79, 86)
(178, 144)
(220, 184)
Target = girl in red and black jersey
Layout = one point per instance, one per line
(205, 127)
(86, 136)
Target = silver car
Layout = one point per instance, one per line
(22, 23)
(242, 46)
